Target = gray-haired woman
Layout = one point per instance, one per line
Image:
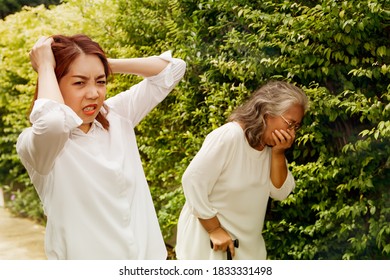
(239, 166)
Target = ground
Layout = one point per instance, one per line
(20, 239)
(23, 239)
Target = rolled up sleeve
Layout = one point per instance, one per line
(287, 187)
(39, 145)
(202, 174)
(135, 103)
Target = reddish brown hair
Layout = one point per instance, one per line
(66, 49)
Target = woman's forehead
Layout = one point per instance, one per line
(86, 64)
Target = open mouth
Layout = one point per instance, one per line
(90, 109)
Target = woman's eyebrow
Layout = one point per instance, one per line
(79, 76)
(100, 76)
(85, 77)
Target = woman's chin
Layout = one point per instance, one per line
(270, 144)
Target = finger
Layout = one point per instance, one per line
(279, 136)
(292, 133)
(216, 247)
(275, 138)
(286, 135)
(231, 248)
(39, 42)
(219, 248)
(48, 40)
(288, 138)
(42, 39)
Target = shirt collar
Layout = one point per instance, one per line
(95, 126)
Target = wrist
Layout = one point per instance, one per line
(210, 231)
(44, 68)
(210, 225)
(277, 152)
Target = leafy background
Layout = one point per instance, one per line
(338, 51)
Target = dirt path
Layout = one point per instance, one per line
(20, 239)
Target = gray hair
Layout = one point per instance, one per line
(274, 98)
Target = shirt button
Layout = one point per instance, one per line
(126, 221)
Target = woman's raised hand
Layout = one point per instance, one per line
(41, 55)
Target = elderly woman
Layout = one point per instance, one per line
(239, 166)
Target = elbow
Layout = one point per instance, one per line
(179, 69)
(282, 193)
(189, 183)
(185, 181)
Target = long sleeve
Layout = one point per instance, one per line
(39, 145)
(135, 103)
(204, 170)
(287, 187)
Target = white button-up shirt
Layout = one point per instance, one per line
(92, 186)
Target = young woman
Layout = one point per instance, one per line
(239, 166)
(81, 152)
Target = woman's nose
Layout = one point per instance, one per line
(93, 92)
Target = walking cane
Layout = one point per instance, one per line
(228, 253)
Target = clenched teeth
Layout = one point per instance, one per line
(90, 108)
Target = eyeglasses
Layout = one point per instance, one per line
(291, 125)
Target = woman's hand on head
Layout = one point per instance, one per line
(41, 55)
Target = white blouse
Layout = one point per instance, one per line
(229, 179)
(92, 186)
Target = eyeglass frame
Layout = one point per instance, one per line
(291, 125)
